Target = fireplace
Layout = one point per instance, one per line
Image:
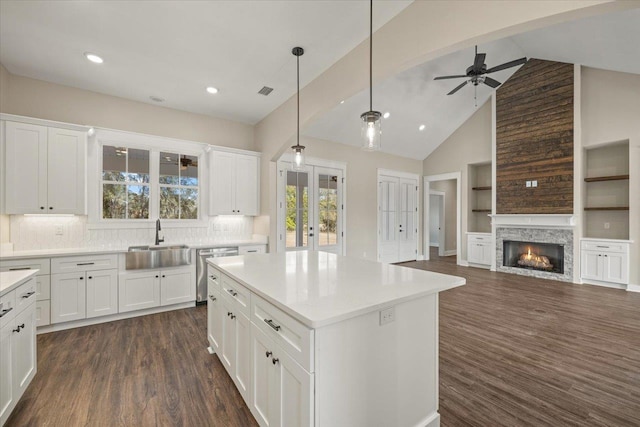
(548, 257)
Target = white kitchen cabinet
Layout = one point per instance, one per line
(18, 356)
(252, 249)
(604, 261)
(177, 286)
(43, 284)
(138, 290)
(68, 297)
(282, 389)
(45, 169)
(102, 292)
(234, 182)
(214, 320)
(479, 249)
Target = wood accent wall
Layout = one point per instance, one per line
(534, 140)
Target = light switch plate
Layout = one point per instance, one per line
(528, 184)
(534, 183)
(59, 230)
(387, 316)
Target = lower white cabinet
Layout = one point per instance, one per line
(102, 293)
(252, 249)
(43, 284)
(83, 294)
(138, 290)
(282, 390)
(479, 248)
(236, 345)
(604, 261)
(18, 356)
(214, 319)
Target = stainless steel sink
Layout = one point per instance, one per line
(140, 257)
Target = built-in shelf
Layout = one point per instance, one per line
(608, 208)
(481, 210)
(481, 188)
(606, 178)
(480, 198)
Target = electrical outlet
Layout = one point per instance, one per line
(528, 184)
(387, 316)
(607, 225)
(534, 183)
(59, 230)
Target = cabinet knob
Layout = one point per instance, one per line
(90, 277)
(212, 298)
(164, 275)
(275, 361)
(268, 353)
(50, 207)
(81, 278)
(157, 276)
(42, 207)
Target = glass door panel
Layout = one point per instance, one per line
(328, 205)
(297, 217)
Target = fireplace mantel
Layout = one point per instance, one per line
(534, 220)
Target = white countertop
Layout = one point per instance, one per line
(44, 253)
(9, 280)
(319, 288)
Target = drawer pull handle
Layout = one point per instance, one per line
(28, 294)
(232, 292)
(275, 360)
(85, 263)
(5, 311)
(19, 268)
(17, 329)
(229, 313)
(273, 325)
(233, 316)
(212, 298)
(212, 277)
(268, 354)
(255, 250)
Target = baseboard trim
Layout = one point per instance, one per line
(483, 266)
(104, 319)
(604, 284)
(633, 288)
(420, 258)
(450, 252)
(463, 263)
(433, 420)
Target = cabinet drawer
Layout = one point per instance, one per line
(294, 338)
(41, 264)
(605, 246)
(477, 238)
(7, 308)
(25, 294)
(253, 249)
(43, 313)
(239, 296)
(213, 278)
(83, 263)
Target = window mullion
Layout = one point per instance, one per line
(154, 184)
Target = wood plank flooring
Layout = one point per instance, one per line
(514, 351)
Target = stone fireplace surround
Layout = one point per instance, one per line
(557, 229)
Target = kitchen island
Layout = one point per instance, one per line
(318, 339)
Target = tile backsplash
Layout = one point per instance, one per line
(59, 232)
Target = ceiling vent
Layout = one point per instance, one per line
(265, 90)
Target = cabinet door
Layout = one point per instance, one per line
(24, 350)
(43, 313)
(474, 252)
(263, 403)
(294, 391)
(138, 290)
(242, 362)
(7, 395)
(26, 169)
(68, 297)
(227, 356)
(486, 251)
(615, 268)
(176, 287)
(591, 265)
(214, 319)
(66, 171)
(221, 183)
(247, 185)
(102, 292)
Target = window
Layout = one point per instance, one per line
(297, 220)
(327, 209)
(125, 183)
(178, 186)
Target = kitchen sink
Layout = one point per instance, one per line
(141, 257)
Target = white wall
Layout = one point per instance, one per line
(470, 143)
(611, 112)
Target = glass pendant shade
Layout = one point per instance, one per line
(371, 130)
(297, 160)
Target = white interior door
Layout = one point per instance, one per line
(328, 210)
(397, 219)
(407, 224)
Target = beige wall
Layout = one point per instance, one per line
(4, 84)
(610, 107)
(423, 31)
(361, 185)
(469, 144)
(36, 98)
(450, 212)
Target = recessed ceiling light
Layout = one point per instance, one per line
(156, 99)
(212, 90)
(386, 115)
(93, 58)
(421, 127)
(342, 102)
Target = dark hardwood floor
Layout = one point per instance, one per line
(514, 351)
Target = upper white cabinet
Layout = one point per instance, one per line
(45, 169)
(235, 183)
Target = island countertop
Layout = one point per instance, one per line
(320, 288)
(9, 280)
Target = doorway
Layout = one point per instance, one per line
(437, 219)
(449, 183)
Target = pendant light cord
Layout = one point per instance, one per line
(298, 95)
(370, 55)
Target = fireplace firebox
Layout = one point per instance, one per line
(534, 256)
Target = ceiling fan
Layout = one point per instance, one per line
(477, 73)
(184, 162)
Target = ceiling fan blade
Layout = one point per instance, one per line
(450, 77)
(491, 82)
(479, 61)
(458, 88)
(507, 65)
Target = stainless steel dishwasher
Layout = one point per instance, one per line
(201, 268)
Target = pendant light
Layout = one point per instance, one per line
(371, 120)
(297, 163)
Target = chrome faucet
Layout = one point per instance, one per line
(158, 228)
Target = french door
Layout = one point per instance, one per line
(397, 218)
(311, 209)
